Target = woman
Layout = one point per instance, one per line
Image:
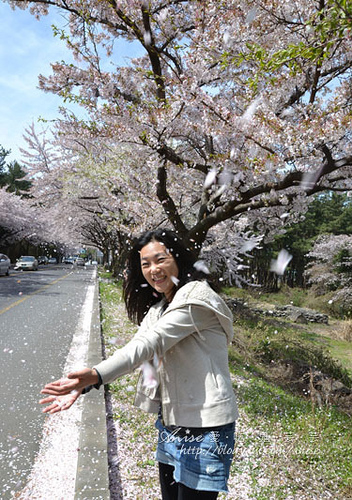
(182, 347)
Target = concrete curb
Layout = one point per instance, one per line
(92, 480)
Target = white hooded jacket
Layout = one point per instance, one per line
(191, 339)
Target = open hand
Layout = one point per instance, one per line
(60, 403)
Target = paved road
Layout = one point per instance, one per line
(39, 313)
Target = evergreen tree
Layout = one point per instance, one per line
(12, 175)
(3, 154)
(15, 179)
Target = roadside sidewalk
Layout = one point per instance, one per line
(92, 480)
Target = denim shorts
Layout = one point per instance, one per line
(201, 457)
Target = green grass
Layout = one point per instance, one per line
(301, 446)
(309, 444)
(285, 295)
(106, 275)
(296, 435)
(341, 350)
(264, 341)
(297, 297)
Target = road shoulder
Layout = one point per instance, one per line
(92, 479)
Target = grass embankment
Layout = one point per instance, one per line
(288, 447)
(302, 430)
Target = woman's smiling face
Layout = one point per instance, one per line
(159, 268)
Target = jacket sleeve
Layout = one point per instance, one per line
(170, 329)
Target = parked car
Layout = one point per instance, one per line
(43, 259)
(79, 261)
(5, 264)
(52, 260)
(27, 263)
(69, 260)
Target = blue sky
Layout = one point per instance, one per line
(27, 47)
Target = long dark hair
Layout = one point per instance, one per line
(138, 295)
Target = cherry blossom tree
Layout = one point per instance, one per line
(233, 116)
(19, 220)
(330, 269)
(80, 197)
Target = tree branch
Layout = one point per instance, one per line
(252, 199)
(170, 154)
(167, 202)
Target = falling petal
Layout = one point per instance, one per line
(147, 37)
(310, 179)
(175, 280)
(226, 37)
(163, 14)
(279, 265)
(251, 16)
(210, 178)
(221, 190)
(149, 375)
(225, 178)
(248, 246)
(156, 361)
(201, 266)
(250, 111)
